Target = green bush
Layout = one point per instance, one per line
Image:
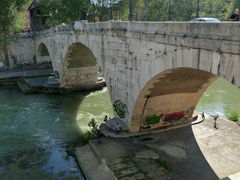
(233, 116)
(83, 138)
(154, 119)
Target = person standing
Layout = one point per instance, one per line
(105, 119)
(203, 116)
(215, 121)
(235, 15)
(118, 128)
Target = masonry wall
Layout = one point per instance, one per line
(134, 53)
(20, 51)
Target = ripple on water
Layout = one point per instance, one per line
(35, 130)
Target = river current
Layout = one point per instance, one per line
(35, 129)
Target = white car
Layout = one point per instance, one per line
(204, 19)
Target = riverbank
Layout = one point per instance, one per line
(42, 80)
(195, 152)
(11, 77)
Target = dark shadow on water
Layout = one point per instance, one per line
(34, 115)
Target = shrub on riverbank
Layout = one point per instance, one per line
(84, 138)
(233, 116)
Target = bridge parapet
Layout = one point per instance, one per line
(212, 30)
(207, 35)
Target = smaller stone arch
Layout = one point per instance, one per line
(174, 92)
(43, 56)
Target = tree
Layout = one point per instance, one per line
(106, 9)
(185, 10)
(157, 10)
(9, 14)
(11, 20)
(233, 5)
(64, 11)
(214, 8)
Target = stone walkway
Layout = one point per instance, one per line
(221, 146)
(200, 152)
(26, 73)
(132, 167)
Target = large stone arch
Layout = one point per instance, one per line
(80, 67)
(171, 91)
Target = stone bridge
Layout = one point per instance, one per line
(153, 70)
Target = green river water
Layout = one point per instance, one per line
(35, 129)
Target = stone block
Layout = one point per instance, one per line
(148, 154)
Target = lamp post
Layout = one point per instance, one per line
(130, 10)
(110, 9)
(56, 11)
(197, 14)
(145, 10)
(169, 10)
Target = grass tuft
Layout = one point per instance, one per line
(233, 116)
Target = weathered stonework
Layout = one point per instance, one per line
(21, 50)
(132, 53)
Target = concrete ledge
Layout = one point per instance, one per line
(232, 177)
(94, 168)
(109, 133)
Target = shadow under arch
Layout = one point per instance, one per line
(80, 67)
(43, 56)
(81, 71)
(176, 90)
(79, 55)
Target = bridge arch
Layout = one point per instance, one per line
(43, 56)
(173, 91)
(80, 67)
(79, 55)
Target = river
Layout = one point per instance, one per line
(35, 129)
(220, 98)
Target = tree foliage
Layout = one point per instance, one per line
(64, 11)
(11, 18)
(185, 10)
(9, 14)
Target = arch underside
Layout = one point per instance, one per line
(79, 56)
(43, 54)
(172, 93)
(80, 67)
